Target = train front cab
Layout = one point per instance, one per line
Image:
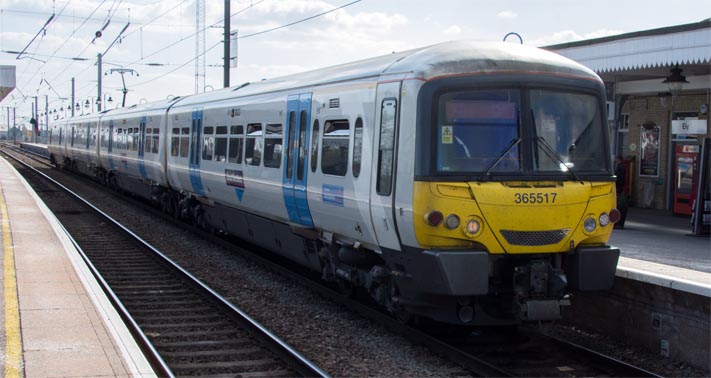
(514, 198)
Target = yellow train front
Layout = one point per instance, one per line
(513, 191)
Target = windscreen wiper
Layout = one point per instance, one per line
(512, 144)
(555, 157)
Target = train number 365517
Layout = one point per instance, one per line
(534, 198)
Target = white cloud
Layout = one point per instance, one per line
(453, 30)
(565, 36)
(507, 15)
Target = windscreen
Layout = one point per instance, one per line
(509, 132)
(567, 132)
(476, 128)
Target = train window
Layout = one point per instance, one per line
(119, 139)
(129, 139)
(208, 130)
(220, 130)
(174, 146)
(185, 131)
(184, 145)
(334, 147)
(290, 146)
(236, 146)
(253, 147)
(221, 147)
(388, 120)
(156, 139)
(357, 147)
(303, 119)
(475, 129)
(273, 145)
(314, 146)
(102, 138)
(208, 147)
(136, 137)
(569, 132)
(147, 141)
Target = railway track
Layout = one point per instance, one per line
(520, 352)
(184, 327)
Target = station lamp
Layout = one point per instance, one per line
(675, 80)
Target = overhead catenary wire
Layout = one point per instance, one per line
(192, 35)
(179, 66)
(247, 36)
(299, 21)
(66, 40)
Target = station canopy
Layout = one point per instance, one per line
(648, 54)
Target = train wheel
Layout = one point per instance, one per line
(113, 184)
(347, 289)
(54, 162)
(399, 312)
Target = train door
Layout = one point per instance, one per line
(298, 116)
(684, 172)
(382, 193)
(194, 158)
(142, 147)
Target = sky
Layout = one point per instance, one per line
(157, 50)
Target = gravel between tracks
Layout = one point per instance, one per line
(336, 339)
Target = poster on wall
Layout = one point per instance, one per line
(649, 153)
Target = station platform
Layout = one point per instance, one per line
(56, 320)
(36, 148)
(659, 248)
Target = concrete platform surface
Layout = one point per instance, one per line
(659, 237)
(56, 320)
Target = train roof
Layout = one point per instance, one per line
(426, 63)
(150, 107)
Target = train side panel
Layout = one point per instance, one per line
(130, 150)
(339, 165)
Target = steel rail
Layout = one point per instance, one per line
(295, 359)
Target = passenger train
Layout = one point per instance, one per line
(469, 183)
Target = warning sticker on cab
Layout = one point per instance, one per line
(447, 136)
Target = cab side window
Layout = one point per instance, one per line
(357, 147)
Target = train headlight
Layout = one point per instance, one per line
(589, 224)
(604, 219)
(434, 218)
(451, 222)
(473, 227)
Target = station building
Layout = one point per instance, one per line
(658, 85)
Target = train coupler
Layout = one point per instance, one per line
(549, 309)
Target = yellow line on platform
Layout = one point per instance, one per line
(13, 338)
